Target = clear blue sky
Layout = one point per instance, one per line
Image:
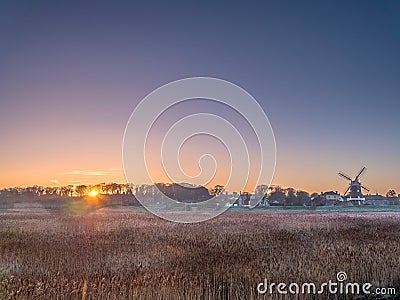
(327, 73)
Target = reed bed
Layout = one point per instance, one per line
(121, 254)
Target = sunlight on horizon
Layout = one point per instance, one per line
(93, 193)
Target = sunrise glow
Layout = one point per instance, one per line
(93, 193)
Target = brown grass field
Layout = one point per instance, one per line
(131, 254)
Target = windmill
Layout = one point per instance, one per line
(355, 186)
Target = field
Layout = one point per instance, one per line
(122, 253)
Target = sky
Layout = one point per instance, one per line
(326, 73)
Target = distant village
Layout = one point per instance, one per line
(353, 196)
(330, 198)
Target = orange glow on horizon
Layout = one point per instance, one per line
(93, 193)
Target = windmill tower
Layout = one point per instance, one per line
(354, 191)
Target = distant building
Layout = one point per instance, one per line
(381, 200)
(243, 200)
(327, 198)
(332, 196)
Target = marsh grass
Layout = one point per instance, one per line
(117, 254)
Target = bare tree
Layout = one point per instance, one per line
(81, 190)
(217, 190)
(391, 193)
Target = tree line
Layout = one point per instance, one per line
(273, 195)
(68, 190)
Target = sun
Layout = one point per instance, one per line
(93, 193)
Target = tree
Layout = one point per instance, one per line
(391, 193)
(70, 189)
(51, 190)
(303, 197)
(112, 188)
(181, 193)
(217, 190)
(290, 196)
(115, 188)
(63, 191)
(81, 190)
(275, 189)
(277, 197)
